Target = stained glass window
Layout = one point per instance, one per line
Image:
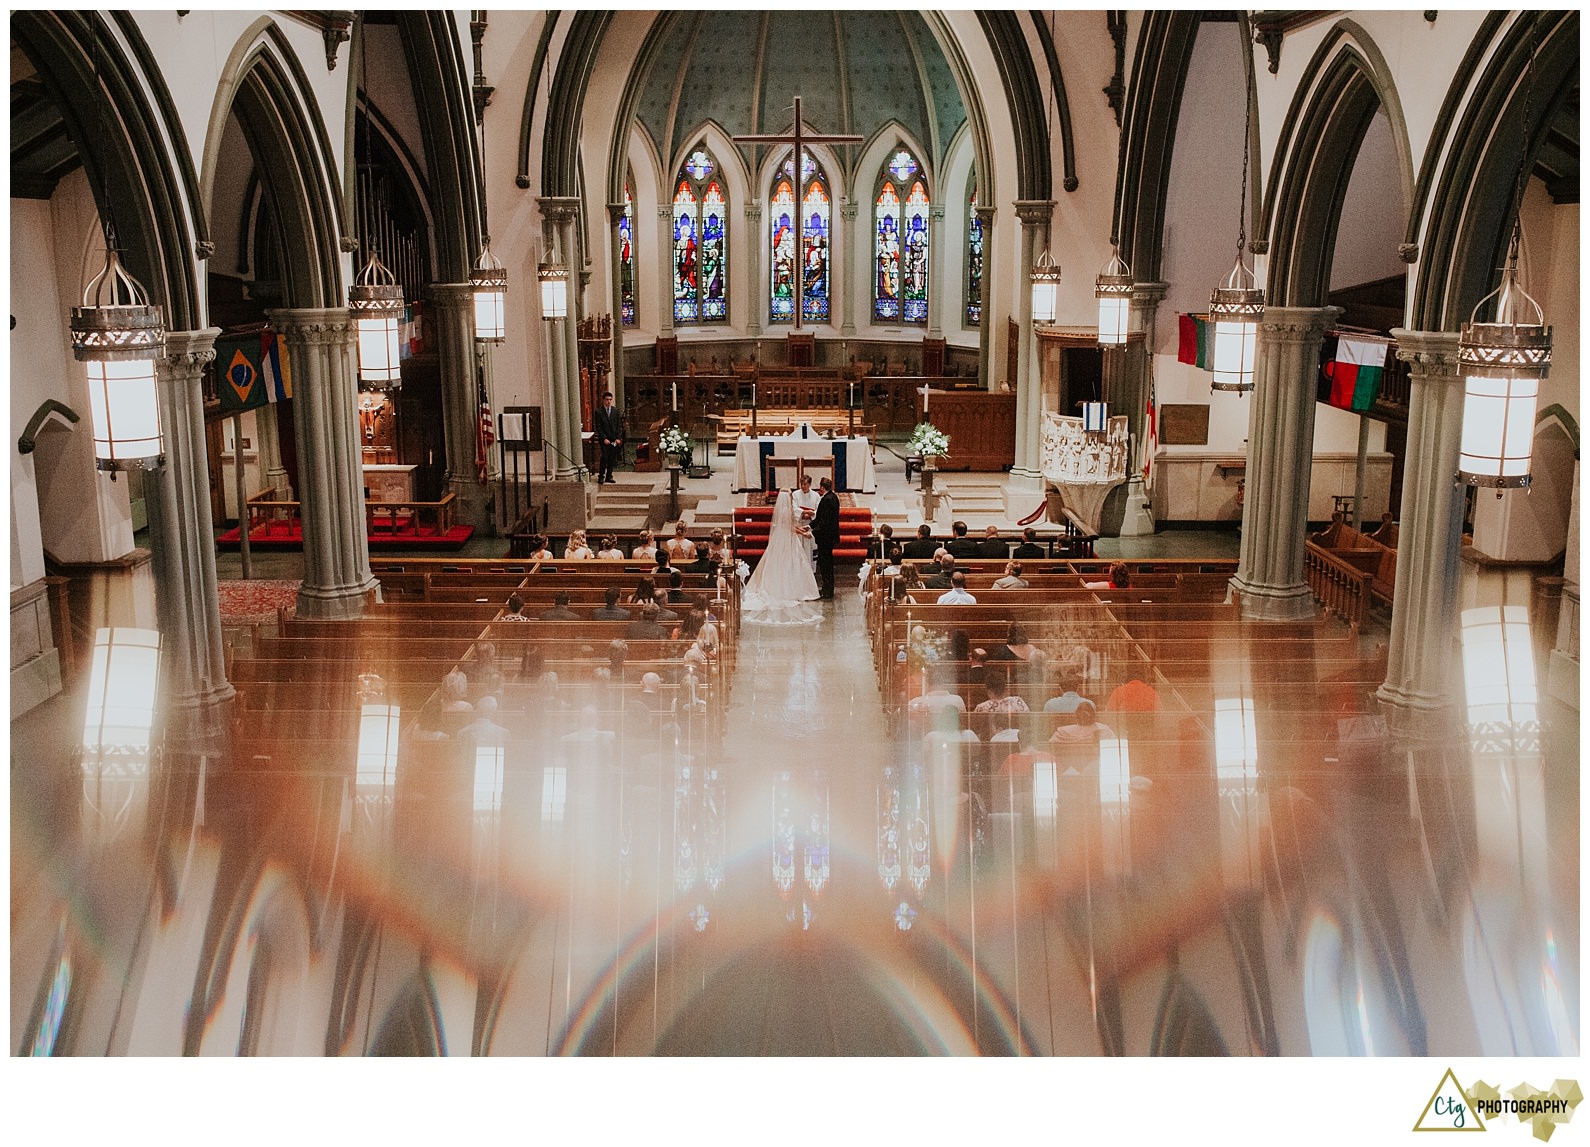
(900, 243)
(974, 262)
(626, 259)
(814, 219)
(701, 244)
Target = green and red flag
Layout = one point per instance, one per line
(1195, 342)
(1350, 370)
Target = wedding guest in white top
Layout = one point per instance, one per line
(680, 548)
(956, 594)
(578, 550)
(645, 546)
(610, 548)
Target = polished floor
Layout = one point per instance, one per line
(804, 878)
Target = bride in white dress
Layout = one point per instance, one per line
(783, 590)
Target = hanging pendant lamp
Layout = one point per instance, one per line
(489, 280)
(1045, 289)
(118, 334)
(554, 279)
(1113, 289)
(1235, 308)
(376, 301)
(1503, 363)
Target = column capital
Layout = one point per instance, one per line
(753, 210)
(849, 209)
(986, 212)
(313, 325)
(1428, 352)
(615, 213)
(936, 212)
(666, 210)
(1148, 294)
(1034, 212)
(190, 351)
(1297, 324)
(452, 294)
(558, 208)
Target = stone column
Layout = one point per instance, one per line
(665, 266)
(853, 240)
(1034, 215)
(1416, 696)
(454, 310)
(985, 325)
(337, 579)
(615, 378)
(938, 291)
(1270, 584)
(1132, 401)
(753, 271)
(269, 443)
(561, 420)
(193, 665)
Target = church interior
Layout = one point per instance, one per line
(1251, 336)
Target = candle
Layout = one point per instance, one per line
(852, 396)
(674, 387)
(753, 394)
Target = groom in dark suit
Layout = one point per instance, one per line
(609, 426)
(825, 532)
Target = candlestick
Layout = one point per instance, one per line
(852, 396)
(674, 387)
(753, 396)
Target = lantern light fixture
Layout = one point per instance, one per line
(554, 278)
(1045, 289)
(489, 280)
(1235, 308)
(1113, 289)
(118, 334)
(1502, 363)
(376, 301)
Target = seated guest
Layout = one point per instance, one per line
(1086, 729)
(578, 549)
(1021, 649)
(610, 548)
(1029, 547)
(680, 548)
(676, 593)
(942, 574)
(645, 592)
(922, 546)
(617, 652)
(1067, 700)
(660, 597)
(701, 629)
(515, 609)
(532, 664)
(960, 545)
(664, 563)
(1012, 578)
(646, 627)
(1000, 698)
(1136, 696)
(940, 696)
(645, 546)
(610, 610)
(956, 594)
(1120, 578)
(539, 551)
(486, 677)
(455, 693)
(879, 544)
(560, 610)
(901, 587)
(992, 545)
(717, 543)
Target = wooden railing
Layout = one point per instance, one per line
(1338, 584)
(396, 518)
(886, 401)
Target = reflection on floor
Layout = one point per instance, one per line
(1252, 870)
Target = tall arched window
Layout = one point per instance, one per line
(813, 218)
(701, 243)
(900, 243)
(974, 257)
(626, 257)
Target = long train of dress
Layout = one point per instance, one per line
(783, 589)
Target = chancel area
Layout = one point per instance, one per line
(403, 400)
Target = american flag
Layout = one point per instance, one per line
(483, 435)
(1151, 441)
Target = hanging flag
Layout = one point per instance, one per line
(240, 377)
(1151, 440)
(276, 367)
(1350, 370)
(483, 435)
(1195, 342)
(411, 331)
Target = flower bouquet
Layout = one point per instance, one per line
(929, 441)
(675, 442)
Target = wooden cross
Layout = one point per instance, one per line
(800, 139)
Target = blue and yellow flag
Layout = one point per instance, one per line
(252, 370)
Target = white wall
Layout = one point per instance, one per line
(1374, 214)
(59, 501)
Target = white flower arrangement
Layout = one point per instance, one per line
(742, 569)
(674, 440)
(929, 441)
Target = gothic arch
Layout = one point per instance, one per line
(264, 83)
(139, 160)
(1153, 107)
(1034, 176)
(1467, 183)
(1346, 83)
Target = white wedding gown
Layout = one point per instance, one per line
(783, 590)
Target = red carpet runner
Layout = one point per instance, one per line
(752, 523)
